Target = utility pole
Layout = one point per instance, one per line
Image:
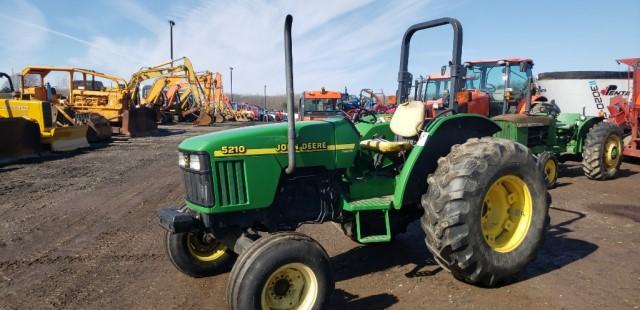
(265, 104)
(231, 73)
(171, 24)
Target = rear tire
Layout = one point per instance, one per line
(602, 152)
(281, 271)
(196, 256)
(464, 230)
(548, 163)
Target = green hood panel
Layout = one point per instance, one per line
(331, 143)
(249, 161)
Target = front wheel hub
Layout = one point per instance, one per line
(204, 247)
(292, 286)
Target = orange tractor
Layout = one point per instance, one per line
(625, 112)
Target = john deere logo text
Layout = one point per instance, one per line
(310, 146)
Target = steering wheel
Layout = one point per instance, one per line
(549, 108)
(361, 113)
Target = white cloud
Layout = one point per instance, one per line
(336, 42)
(18, 40)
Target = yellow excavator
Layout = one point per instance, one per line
(99, 100)
(29, 126)
(191, 100)
(214, 94)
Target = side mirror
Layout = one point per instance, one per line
(443, 70)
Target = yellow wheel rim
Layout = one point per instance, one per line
(292, 286)
(203, 249)
(550, 171)
(506, 213)
(612, 149)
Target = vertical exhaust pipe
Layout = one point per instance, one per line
(288, 60)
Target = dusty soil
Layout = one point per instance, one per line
(80, 231)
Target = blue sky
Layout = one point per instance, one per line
(336, 43)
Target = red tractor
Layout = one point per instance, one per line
(625, 111)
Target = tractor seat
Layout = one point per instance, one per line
(385, 147)
(406, 122)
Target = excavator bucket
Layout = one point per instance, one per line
(62, 139)
(204, 119)
(20, 138)
(139, 122)
(99, 128)
(219, 118)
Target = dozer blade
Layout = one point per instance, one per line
(19, 138)
(204, 119)
(99, 128)
(62, 139)
(139, 122)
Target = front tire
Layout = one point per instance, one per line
(548, 163)
(198, 254)
(602, 152)
(485, 210)
(281, 271)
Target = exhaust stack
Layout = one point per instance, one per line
(288, 60)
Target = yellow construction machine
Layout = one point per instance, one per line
(26, 125)
(214, 94)
(102, 101)
(187, 97)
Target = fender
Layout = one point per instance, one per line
(435, 142)
(583, 130)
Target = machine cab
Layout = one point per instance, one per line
(319, 104)
(505, 82)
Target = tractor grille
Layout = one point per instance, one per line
(231, 187)
(537, 136)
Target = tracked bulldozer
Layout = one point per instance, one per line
(28, 127)
(100, 100)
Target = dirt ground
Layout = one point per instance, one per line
(80, 231)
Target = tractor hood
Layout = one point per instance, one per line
(328, 143)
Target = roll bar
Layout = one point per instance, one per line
(9, 79)
(405, 78)
(288, 61)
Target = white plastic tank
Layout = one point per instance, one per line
(573, 90)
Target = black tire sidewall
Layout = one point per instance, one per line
(264, 261)
(543, 158)
(511, 262)
(181, 258)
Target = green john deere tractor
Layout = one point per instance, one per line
(480, 200)
(530, 119)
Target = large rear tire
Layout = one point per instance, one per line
(198, 254)
(602, 153)
(485, 210)
(281, 271)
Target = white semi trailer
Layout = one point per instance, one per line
(591, 90)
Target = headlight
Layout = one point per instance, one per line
(182, 160)
(197, 162)
(194, 162)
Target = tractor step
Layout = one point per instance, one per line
(375, 203)
(373, 226)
